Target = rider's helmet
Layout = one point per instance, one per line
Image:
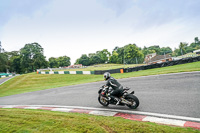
(106, 75)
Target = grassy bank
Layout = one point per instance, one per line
(34, 82)
(27, 121)
(189, 67)
(101, 67)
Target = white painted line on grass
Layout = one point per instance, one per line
(164, 121)
(131, 112)
(9, 106)
(122, 111)
(109, 113)
(31, 107)
(61, 109)
(104, 113)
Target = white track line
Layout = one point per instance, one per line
(164, 121)
(113, 111)
(109, 112)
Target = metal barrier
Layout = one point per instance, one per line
(151, 66)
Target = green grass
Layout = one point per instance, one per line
(34, 82)
(189, 67)
(25, 121)
(36, 121)
(101, 67)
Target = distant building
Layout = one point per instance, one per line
(149, 57)
(197, 51)
(153, 58)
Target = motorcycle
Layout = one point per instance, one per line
(126, 98)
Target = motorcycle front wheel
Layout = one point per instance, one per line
(103, 101)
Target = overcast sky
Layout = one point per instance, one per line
(76, 27)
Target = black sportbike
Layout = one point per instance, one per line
(127, 99)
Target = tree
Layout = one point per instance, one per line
(3, 59)
(185, 48)
(165, 50)
(104, 55)
(114, 57)
(196, 40)
(155, 48)
(77, 61)
(64, 61)
(128, 54)
(120, 52)
(94, 59)
(149, 50)
(61, 61)
(31, 57)
(133, 54)
(40, 61)
(145, 51)
(84, 60)
(189, 49)
(53, 63)
(3, 62)
(15, 64)
(182, 48)
(14, 61)
(176, 52)
(195, 45)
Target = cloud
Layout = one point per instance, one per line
(75, 27)
(117, 5)
(156, 12)
(10, 8)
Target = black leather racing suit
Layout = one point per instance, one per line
(116, 86)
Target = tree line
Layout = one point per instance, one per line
(132, 54)
(29, 59)
(31, 56)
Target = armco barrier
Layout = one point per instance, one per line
(67, 72)
(110, 71)
(151, 66)
(6, 75)
(126, 70)
(164, 64)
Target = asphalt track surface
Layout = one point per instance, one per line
(2, 80)
(172, 94)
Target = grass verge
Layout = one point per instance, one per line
(34, 82)
(101, 67)
(27, 121)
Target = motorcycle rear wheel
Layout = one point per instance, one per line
(102, 101)
(134, 100)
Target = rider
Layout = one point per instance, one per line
(117, 88)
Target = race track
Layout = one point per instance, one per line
(173, 94)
